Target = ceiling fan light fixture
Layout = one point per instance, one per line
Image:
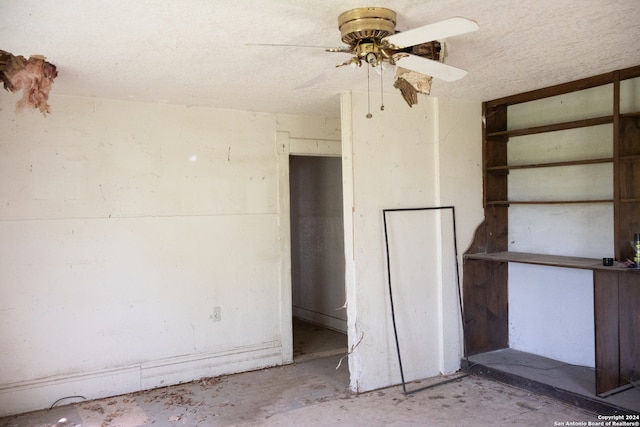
(372, 39)
(366, 23)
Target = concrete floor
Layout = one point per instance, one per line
(311, 392)
(313, 342)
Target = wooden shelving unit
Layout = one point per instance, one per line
(616, 289)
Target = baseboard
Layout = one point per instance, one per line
(320, 319)
(172, 371)
(27, 396)
(33, 395)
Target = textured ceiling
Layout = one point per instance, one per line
(200, 52)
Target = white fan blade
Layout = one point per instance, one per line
(431, 68)
(427, 33)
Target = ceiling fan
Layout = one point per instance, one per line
(371, 38)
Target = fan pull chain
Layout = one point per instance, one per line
(368, 95)
(381, 88)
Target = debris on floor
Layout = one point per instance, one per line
(311, 393)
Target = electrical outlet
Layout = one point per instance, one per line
(216, 316)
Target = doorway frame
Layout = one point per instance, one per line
(287, 146)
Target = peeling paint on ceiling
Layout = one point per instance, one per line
(33, 77)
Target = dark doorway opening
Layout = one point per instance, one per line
(317, 257)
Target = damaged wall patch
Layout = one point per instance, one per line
(34, 76)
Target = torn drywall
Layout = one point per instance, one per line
(34, 76)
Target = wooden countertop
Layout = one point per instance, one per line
(550, 260)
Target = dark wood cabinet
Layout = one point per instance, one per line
(616, 289)
(617, 328)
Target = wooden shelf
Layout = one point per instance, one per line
(549, 260)
(551, 164)
(542, 202)
(553, 127)
(630, 157)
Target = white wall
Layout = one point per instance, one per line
(424, 156)
(551, 312)
(122, 226)
(459, 169)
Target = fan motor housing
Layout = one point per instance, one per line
(366, 23)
